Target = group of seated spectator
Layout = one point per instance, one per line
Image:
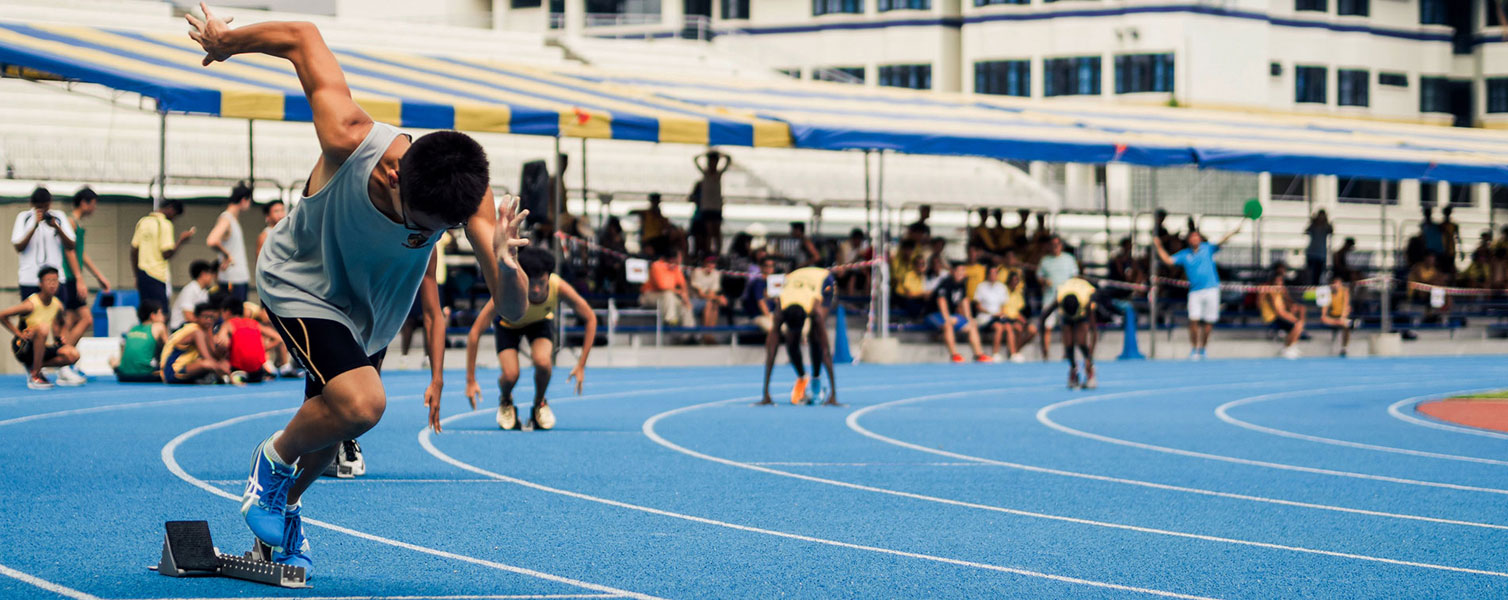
(220, 339)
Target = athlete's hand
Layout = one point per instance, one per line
(104, 284)
(211, 34)
(226, 262)
(473, 392)
(506, 239)
(432, 400)
(578, 375)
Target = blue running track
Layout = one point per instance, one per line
(1221, 479)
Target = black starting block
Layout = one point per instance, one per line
(188, 551)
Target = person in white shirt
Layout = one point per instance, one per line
(707, 293)
(991, 295)
(226, 239)
(45, 239)
(192, 295)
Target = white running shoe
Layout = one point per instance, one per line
(39, 382)
(70, 377)
(507, 417)
(1291, 353)
(544, 418)
(1018, 358)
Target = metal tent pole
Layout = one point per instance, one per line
(1152, 263)
(884, 252)
(1384, 258)
(583, 177)
(557, 198)
(251, 153)
(162, 159)
(874, 270)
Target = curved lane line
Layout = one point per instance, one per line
(1044, 418)
(114, 407)
(1223, 411)
(649, 431)
(424, 440)
(853, 423)
(168, 458)
(1396, 410)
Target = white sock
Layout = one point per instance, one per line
(272, 453)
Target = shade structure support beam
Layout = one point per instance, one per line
(162, 159)
(882, 251)
(1385, 259)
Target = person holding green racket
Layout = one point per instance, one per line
(1198, 262)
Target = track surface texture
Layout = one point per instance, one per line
(1222, 479)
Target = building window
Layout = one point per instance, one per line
(1003, 77)
(1361, 190)
(886, 5)
(793, 73)
(1434, 95)
(1318, 5)
(1428, 190)
(1393, 79)
(1143, 73)
(916, 77)
(735, 9)
(1492, 15)
(1352, 87)
(1354, 8)
(840, 74)
(524, 4)
(1275, 69)
(1074, 76)
(1290, 188)
(993, 2)
(1432, 12)
(1310, 85)
(828, 7)
(1460, 195)
(1497, 94)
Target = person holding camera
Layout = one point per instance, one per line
(44, 238)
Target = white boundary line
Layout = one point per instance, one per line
(45, 584)
(113, 407)
(424, 440)
(853, 423)
(1396, 410)
(1044, 418)
(461, 597)
(1222, 411)
(649, 431)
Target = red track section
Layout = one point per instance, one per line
(1481, 413)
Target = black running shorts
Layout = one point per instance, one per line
(324, 348)
(508, 339)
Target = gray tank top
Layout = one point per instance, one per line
(237, 272)
(336, 257)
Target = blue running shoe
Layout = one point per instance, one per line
(266, 497)
(814, 393)
(297, 552)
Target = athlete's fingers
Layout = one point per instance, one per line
(208, 16)
(518, 243)
(198, 25)
(229, 19)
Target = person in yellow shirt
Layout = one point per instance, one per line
(537, 326)
(1338, 314)
(152, 244)
(1077, 306)
(40, 341)
(193, 353)
(1006, 301)
(1280, 312)
(806, 296)
(975, 270)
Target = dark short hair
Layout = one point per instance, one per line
(200, 267)
(233, 305)
(536, 262)
(242, 191)
(45, 271)
(798, 226)
(146, 309)
(444, 174)
(1070, 304)
(267, 208)
(176, 205)
(204, 307)
(41, 195)
(84, 195)
(217, 299)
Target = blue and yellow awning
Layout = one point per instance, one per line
(402, 89)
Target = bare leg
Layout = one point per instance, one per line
(38, 348)
(350, 405)
(948, 338)
(508, 360)
(1194, 330)
(543, 353)
(973, 333)
(81, 322)
(997, 329)
(771, 346)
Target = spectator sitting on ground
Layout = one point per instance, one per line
(273, 212)
(1280, 312)
(1019, 330)
(44, 237)
(137, 362)
(193, 294)
(39, 341)
(665, 290)
(1337, 315)
(247, 341)
(192, 354)
(955, 315)
(707, 293)
(152, 245)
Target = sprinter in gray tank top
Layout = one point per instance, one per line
(340, 272)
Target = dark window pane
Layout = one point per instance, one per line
(1432, 12)
(1360, 190)
(1318, 5)
(1497, 95)
(1275, 69)
(917, 77)
(1076, 76)
(1353, 87)
(1357, 8)
(1292, 188)
(1003, 77)
(735, 9)
(1143, 73)
(1393, 79)
(1309, 84)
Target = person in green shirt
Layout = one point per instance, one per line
(80, 320)
(137, 362)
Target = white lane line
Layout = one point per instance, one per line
(853, 423)
(168, 458)
(867, 464)
(60, 590)
(649, 431)
(129, 405)
(1043, 417)
(424, 440)
(1223, 411)
(329, 481)
(462, 597)
(1396, 410)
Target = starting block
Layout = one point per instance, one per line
(188, 551)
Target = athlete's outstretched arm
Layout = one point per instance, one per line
(434, 339)
(340, 124)
(493, 232)
(579, 305)
(474, 341)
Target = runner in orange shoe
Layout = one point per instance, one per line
(803, 303)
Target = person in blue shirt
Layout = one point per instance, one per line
(1198, 262)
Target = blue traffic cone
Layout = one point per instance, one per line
(841, 355)
(1129, 348)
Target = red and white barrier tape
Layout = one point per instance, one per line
(595, 247)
